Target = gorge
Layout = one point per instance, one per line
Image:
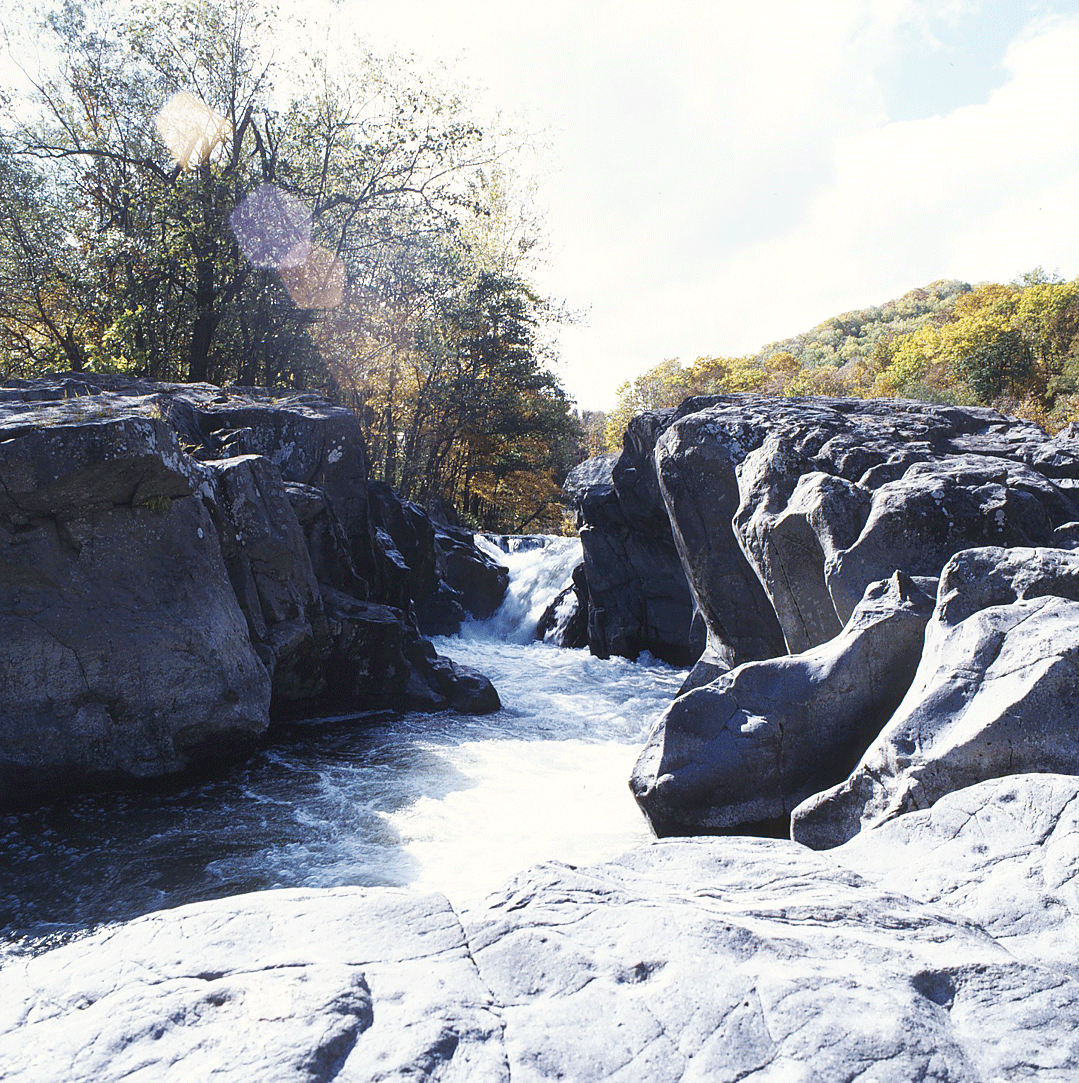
(878, 603)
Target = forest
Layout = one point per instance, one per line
(178, 202)
(1013, 347)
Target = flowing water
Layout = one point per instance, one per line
(437, 802)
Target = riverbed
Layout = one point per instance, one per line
(441, 802)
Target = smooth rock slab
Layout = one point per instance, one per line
(276, 986)
(692, 959)
(756, 960)
(1004, 853)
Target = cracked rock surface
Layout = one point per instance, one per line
(276, 986)
(1003, 853)
(693, 959)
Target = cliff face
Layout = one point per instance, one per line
(179, 564)
(823, 541)
(637, 592)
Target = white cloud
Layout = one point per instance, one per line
(724, 174)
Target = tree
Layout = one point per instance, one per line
(168, 211)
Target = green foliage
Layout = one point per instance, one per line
(853, 335)
(116, 252)
(1013, 346)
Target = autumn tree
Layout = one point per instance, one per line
(186, 209)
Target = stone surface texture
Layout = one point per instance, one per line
(691, 959)
(289, 985)
(743, 750)
(160, 597)
(995, 694)
(638, 596)
(1003, 853)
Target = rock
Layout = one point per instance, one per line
(751, 959)
(277, 986)
(720, 959)
(158, 596)
(480, 581)
(995, 694)
(700, 488)
(327, 544)
(1003, 853)
(784, 510)
(564, 622)
(270, 569)
(638, 597)
(123, 650)
(739, 753)
(939, 508)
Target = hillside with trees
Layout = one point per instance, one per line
(177, 203)
(1014, 347)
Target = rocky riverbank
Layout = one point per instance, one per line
(885, 597)
(182, 565)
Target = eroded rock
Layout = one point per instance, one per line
(1003, 853)
(739, 753)
(288, 985)
(995, 694)
(638, 596)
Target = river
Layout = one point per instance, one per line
(436, 802)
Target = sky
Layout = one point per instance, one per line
(720, 175)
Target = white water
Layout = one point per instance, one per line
(440, 802)
(551, 782)
(537, 577)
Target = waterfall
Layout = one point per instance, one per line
(442, 802)
(541, 567)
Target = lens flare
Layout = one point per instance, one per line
(191, 129)
(318, 282)
(273, 229)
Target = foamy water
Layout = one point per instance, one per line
(440, 802)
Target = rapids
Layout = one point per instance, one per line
(436, 802)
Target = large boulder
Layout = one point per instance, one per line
(1003, 853)
(995, 694)
(638, 596)
(161, 595)
(784, 510)
(739, 753)
(124, 651)
(742, 959)
(479, 580)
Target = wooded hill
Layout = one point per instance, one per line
(1011, 346)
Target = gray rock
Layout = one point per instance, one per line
(638, 596)
(480, 581)
(269, 566)
(123, 650)
(784, 510)
(1003, 853)
(152, 602)
(939, 508)
(752, 959)
(995, 694)
(564, 622)
(741, 752)
(278, 986)
(719, 959)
